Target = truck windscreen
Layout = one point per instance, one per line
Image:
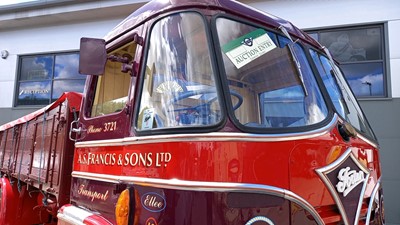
(272, 75)
(179, 87)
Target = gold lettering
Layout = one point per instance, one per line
(92, 194)
(107, 159)
(152, 202)
(91, 129)
(149, 159)
(82, 159)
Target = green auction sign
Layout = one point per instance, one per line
(249, 47)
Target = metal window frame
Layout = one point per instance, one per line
(383, 48)
(18, 80)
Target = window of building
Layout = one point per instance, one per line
(43, 78)
(360, 51)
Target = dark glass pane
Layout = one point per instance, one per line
(353, 44)
(67, 67)
(314, 36)
(62, 86)
(365, 79)
(36, 68)
(34, 93)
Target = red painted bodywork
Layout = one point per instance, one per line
(285, 164)
(106, 163)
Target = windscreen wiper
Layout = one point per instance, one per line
(295, 59)
(335, 73)
(335, 69)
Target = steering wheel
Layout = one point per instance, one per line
(201, 113)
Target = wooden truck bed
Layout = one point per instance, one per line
(35, 149)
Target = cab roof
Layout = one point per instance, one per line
(157, 7)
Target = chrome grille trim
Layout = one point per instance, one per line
(375, 191)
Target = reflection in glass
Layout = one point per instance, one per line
(179, 85)
(325, 70)
(36, 68)
(66, 66)
(314, 36)
(340, 94)
(62, 86)
(270, 84)
(353, 45)
(43, 76)
(361, 55)
(34, 93)
(365, 79)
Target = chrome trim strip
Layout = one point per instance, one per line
(176, 184)
(371, 200)
(367, 140)
(328, 168)
(215, 136)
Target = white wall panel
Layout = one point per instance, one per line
(36, 40)
(6, 93)
(394, 53)
(395, 77)
(394, 41)
(327, 13)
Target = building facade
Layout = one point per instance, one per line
(39, 43)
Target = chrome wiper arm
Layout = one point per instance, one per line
(336, 73)
(295, 59)
(334, 67)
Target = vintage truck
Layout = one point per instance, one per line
(196, 112)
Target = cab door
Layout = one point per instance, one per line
(108, 99)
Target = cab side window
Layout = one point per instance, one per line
(112, 87)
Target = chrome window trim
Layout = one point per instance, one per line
(218, 136)
(213, 136)
(362, 137)
(186, 185)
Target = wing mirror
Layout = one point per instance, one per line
(93, 56)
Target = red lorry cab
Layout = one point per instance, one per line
(197, 112)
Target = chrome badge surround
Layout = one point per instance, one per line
(340, 186)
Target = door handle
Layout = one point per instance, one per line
(77, 130)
